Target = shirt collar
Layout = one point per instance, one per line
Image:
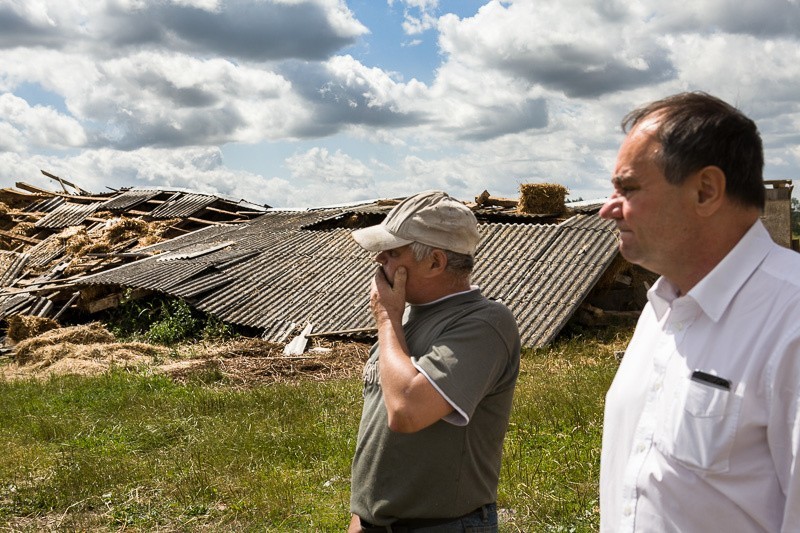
(717, 289)
(472, 288)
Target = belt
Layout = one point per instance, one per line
(405, 525)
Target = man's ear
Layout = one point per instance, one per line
(438, 261)
(710, 189)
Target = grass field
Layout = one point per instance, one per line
(141, 452)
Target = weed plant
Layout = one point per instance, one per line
(163, 320)
(140, 452)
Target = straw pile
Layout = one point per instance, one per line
(41, 347)
(541, 198)
(21, 327)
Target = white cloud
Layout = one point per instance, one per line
(526, 90)
(324, 176)
(570, 47)
(39, 126)
(419, 15)
(11, 139)
(198, 169)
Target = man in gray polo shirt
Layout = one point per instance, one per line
(439, 383)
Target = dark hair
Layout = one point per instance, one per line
(696, 130)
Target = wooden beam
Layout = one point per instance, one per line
(222, 211)
(72, 299)
(485, 199)
(342, 332)
(39, 190)
(63, 182)
(114, 300)
(30, 188)
(16, 237)
(206, 222)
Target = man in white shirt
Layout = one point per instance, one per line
(702, 422)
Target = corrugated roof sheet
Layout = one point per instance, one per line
(11, 267)
(47, 250)
(23, 304)
(67, 215)
(127, 199)
(44, 206)
(271, 274)
(182, 205)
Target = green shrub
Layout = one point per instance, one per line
(164, 320)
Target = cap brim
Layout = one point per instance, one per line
(378, 239)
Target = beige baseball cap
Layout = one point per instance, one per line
(430, 217)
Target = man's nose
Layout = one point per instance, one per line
(612, 208)
(380, 257)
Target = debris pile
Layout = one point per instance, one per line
(48, 240)
(91, 349)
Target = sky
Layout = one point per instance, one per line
(309, 103)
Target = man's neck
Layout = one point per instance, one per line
(713, 243)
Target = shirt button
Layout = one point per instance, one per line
(628, 510)
(640, 447)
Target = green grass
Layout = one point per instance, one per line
(141, 452)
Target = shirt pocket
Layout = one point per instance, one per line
(701, 425)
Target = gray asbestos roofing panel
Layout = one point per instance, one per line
(67, 215)
(11, 267)
(275, 276)
(127, 199)
(44, 206)
(182, 205)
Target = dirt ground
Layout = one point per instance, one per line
(91, 349)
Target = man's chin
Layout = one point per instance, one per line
(628, 251)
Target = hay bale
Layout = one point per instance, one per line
(125, 229)
(21, 327)
(92, 333)
(541, 198)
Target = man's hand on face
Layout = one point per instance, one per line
(388, 301)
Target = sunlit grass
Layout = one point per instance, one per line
(141, 452)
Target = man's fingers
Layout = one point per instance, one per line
(400, 279)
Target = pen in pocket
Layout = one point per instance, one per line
(711, 379)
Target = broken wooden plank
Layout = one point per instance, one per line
(485, 199)
(38, 190)
(206, 222)
(221, 211)
(72, 299)
(16, 237)
(342, 332)
(63, 182)
(113, 300)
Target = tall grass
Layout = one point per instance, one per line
(141, 452)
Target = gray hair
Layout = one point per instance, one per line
(458, 264)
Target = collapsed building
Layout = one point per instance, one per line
(288, 272)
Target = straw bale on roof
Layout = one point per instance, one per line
(541, 198)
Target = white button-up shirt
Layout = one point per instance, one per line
(684, 451)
